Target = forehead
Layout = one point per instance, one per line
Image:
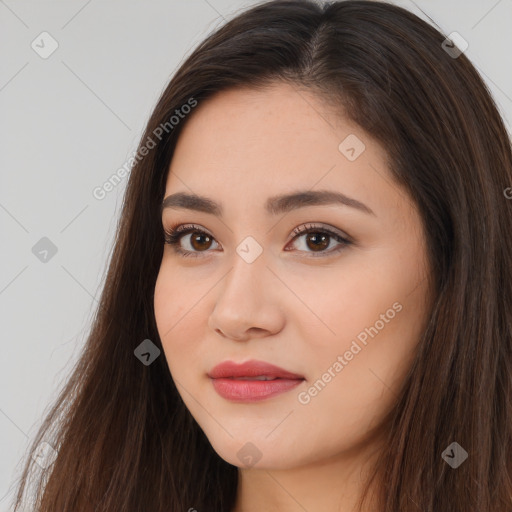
(245, 144)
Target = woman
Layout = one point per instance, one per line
(308, 303)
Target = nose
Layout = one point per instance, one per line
(247, 302)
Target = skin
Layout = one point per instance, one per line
(299, 308)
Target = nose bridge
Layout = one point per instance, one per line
(248, 271)
(243, 301)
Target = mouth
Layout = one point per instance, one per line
(252, 381)
(259, 377)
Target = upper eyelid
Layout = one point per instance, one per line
(304, 228)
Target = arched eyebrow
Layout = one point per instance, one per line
(274, 206)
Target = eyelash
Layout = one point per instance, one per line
(173, 235)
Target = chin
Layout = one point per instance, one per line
(257, 452)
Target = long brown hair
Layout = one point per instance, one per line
(125, 440)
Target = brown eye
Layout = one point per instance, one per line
(200, 241)
(317, 241)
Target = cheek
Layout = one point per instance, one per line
(376, 315)
(176, 311)
(176, 298)
(345, 300)
(164, 305)
(353, 385)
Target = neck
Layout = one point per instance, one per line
(333, 485)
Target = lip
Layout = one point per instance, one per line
(229, 382)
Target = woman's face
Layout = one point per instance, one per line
(343, 318)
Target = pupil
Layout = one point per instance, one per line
(197, 238)
(315, 237)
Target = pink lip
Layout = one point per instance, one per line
(228, 380)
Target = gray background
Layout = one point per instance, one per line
(68, 122)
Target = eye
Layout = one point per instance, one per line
(317, 238)
(199, 239)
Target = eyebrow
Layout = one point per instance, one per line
(274, 205)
